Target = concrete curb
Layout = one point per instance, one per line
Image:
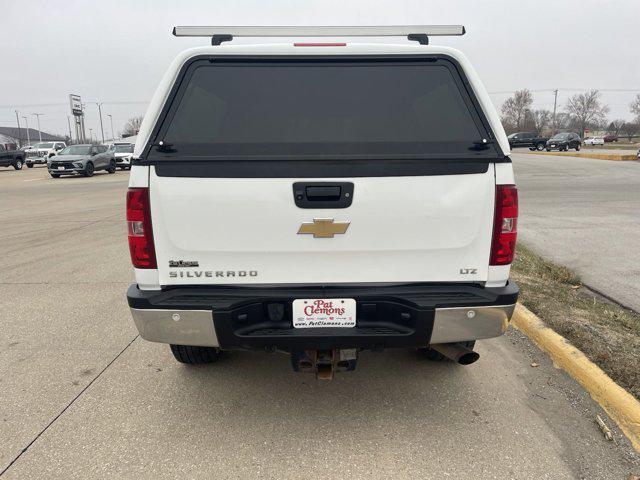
(619, 404)
(619, 157)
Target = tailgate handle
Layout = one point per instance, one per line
(323, 194)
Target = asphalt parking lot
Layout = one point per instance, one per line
(585, 214)
(84, 397)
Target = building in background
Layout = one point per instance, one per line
(20, 137)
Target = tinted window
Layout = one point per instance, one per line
(76, 150)
(322, 109)
(123, 148)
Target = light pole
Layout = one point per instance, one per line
(19, 130)
(26, 121)
(69, 124)
(555, 104)
(100, 113)
(91, 134)
(113, 135)
(37, 115)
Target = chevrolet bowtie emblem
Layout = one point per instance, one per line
(323, 228)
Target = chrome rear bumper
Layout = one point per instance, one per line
(461, 324)
(180, 327)
(197, 327)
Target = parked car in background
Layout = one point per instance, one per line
(123, 153)
(11, 158)
(41, 152)
(563, 142)
(83, 160)
(592, 141)
(527, 139)
(610, 138)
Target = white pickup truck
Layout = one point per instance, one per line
(41, 152)
(321, 198)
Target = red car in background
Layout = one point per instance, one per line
(610, 138)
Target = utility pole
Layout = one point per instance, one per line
(69, 124)
(26, 120)
(100, 113)
(19, 130)
(555, 104)
(37, 115)
(113, 135)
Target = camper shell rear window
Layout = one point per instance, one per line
(321, 108)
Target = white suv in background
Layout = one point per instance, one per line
(123, 152)
(41, 152)
(319, 199)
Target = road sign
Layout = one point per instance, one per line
(76, 105)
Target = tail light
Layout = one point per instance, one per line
(505, 225)
(143, 253)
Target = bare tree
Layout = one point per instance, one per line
(514, 109)
(539, 119)
(562, 121)
(585, 109)
(132, 127)
(615, 127)
(630, 129)
(635, 108)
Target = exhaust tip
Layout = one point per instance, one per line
(468, 358)
(457, 353)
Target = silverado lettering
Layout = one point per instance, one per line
(211, 273)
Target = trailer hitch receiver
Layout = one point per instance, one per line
(323, 363)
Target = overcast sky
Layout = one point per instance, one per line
(116, 51)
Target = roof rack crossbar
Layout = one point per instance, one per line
(416, 31)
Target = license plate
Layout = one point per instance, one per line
(60, 168)
(324, 313)
(552, 145)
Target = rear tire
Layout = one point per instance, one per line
(112, 167)
(431, 354)
(540, 147)
(18, 164)
(88, 170)
(29, 165)
(578, 148)
(192, 355)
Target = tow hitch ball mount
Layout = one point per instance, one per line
(323, 363)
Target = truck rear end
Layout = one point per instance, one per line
(321, 199)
